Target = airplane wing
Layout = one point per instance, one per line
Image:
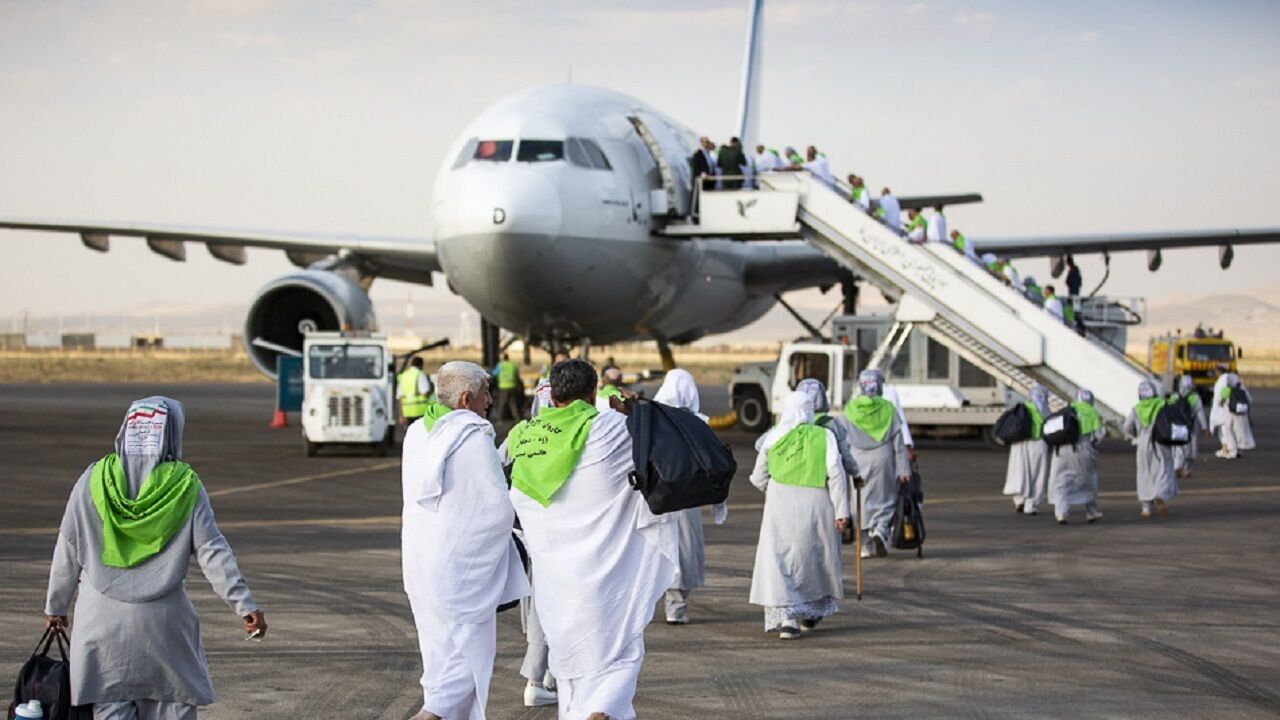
(922, 202)
(409, 259)
(1050, 246)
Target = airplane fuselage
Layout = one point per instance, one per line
(547, 239)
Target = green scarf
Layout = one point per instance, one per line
(1225, 392)
(134, 530)
(546, 449)
(434, 412)
(609, 391)
(871, 415)
(1147, 410)
(1088, 416)
(800, 457)
(1037, 420)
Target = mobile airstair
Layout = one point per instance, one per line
(957, 302)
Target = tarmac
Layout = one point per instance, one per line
(1007, 615)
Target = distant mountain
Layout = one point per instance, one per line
(1250, 320)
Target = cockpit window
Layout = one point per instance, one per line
(584, 152)
(493, 150)
(540, 151)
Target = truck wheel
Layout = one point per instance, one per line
(989, 437)
(310, 448)
(753, 413)
(383, 448)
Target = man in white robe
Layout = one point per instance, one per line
(1234, 427)
(680, 390)
(891, 209)
(457, 554)
(602, 558)
(1027, 475)
(936, 231)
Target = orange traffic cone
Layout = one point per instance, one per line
(279, 420)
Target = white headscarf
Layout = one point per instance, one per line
(150, 434)
(871, 383)
(796, 411)
(1186, 385)
(1146, 390)
(679, 390)
(817, 393)
(1040, 398)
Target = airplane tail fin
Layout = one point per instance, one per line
(749, 101)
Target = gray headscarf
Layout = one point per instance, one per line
(817, 393)
(1040, 398)
(871, 383)
(1146, 390)
(1186, 385)
(1084, 395)
(150, 434)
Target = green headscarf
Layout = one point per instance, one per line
(1147, 410)
(800, 457)
(871, 415)
(546, 449)
(133, 530)
(1088, 417)
(1037, 420)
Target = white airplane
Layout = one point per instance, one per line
(547, 216)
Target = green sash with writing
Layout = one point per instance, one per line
(800, 457)
(546, 449)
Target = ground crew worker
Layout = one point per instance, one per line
(915, 226)
(1073, 280)
(508, 377)
(413, 389)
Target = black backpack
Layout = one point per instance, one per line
(680, 463)
(1061, 428)
(1170, 426)
(1238, 401)
(907, 530)
(1014, 425)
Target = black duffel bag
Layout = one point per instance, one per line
(1170, 427)
(48, 680)
(1061, 428)
(680, 462)
(907, 531)
(1013, 425)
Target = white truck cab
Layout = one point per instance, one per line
(348, 395)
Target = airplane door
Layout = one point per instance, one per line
(664, 144)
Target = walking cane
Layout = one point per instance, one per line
(857, 530)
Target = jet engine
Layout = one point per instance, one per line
(292, 306)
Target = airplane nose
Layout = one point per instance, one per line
(508, 201)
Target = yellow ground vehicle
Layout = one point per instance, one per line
(1203, 356)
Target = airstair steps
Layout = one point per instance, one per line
(960, 305)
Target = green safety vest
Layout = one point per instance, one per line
(508, 375)
(412, 404)
(959, 242)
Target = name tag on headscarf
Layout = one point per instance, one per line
(144, 429)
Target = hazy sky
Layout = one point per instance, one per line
(333, 117)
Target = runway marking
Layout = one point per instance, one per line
(930, 501)
(303, 479)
